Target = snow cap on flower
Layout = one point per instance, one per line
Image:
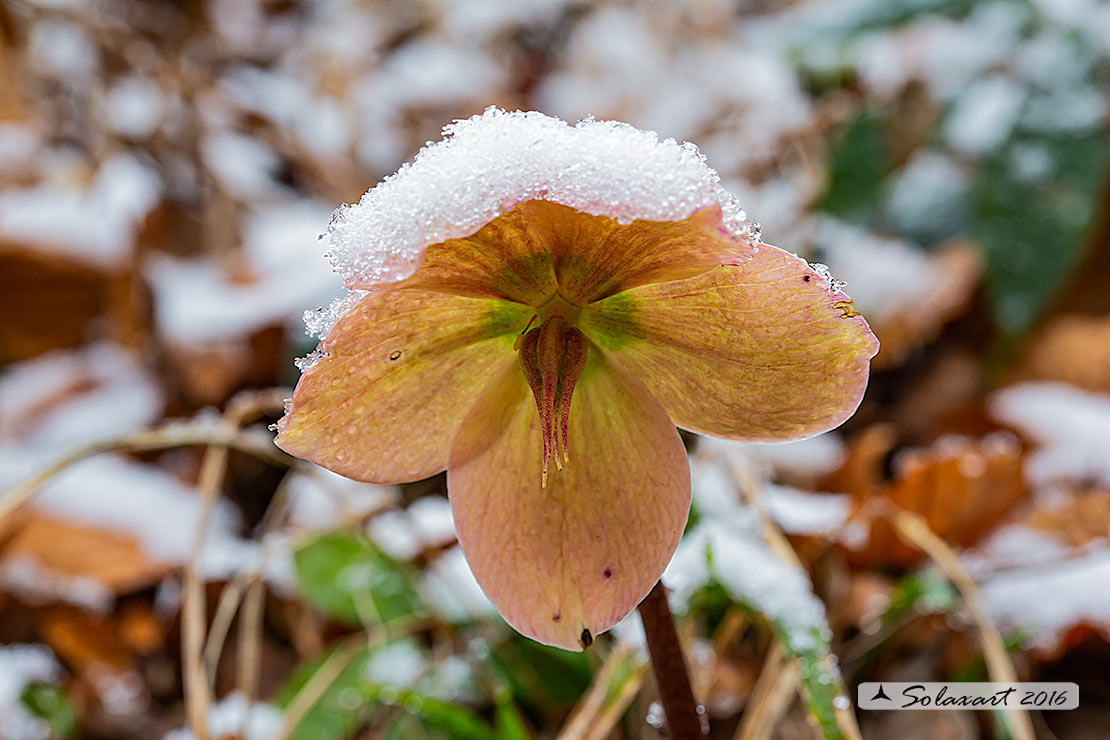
(455, 186)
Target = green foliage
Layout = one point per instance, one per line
(925, 591)
(1033, 230)
(346, 577)
(50, 704)
(538, 675)
(859, 159)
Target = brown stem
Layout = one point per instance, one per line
(669, 666)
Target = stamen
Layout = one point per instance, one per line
(520, 337)
(552, 357)
(573, 363)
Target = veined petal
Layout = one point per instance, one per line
(566, 562)
(539, 247)
(760, 351)
(402, 369)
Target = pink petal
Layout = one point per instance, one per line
(567, 562)
(402, 370)
(758, 351)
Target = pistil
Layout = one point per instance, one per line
(552, 357)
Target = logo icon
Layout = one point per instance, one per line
(880, 694)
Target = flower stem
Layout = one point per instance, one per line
(669, 666)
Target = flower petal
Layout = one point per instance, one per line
(566, 562)
(538, 247)
(402, 369)
(760, 351)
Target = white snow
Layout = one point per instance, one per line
(886, 277)
(450, 588)
(804, 458)
(804, 512)
(320, 499)
(405, 533)
(21, 665)
(244, 165)
(197, 301)
(18, 145)
(1047, 600)
(134, 107)
(984, 114)
(232, 715)
(65, 398)
(455, 186)
(399, 663)
(97, 224)
(1071, 428)
(139, 500)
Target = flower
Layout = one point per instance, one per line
(534, 307)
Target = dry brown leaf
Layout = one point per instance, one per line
(68, 549)
(1071, 349)
(962, 487)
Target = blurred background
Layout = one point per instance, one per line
(165, 171)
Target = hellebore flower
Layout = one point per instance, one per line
(534, 307)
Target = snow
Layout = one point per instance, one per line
(134, 107)
(21, 665)
(455, 186)
(927, 196)
(727, 546)
(804, 458)
(244, 166)
(97, 224)
(450, 589)
(138, 500)
(65, 398)
(320, 499)
(886, 277)
(35, 584)
(984, 114)
(1048, 600)
(399, 663)
(18, 145)
(405, 533)
(1070, 427)
(64, 51)
(197, 301)
(806, 513)
(232, 715)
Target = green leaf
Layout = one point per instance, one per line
(347, 577)
(926, 591)
(858, 161)
(1033, 230)
(457, 721)
(340, 710)
(510, 722)
(49, 703)
(541, 676)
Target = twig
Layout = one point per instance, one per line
(319, 683)
(913, 529)
(669, 666)
(174, 434)
(194, 609)
(769, 700)
(597, 711)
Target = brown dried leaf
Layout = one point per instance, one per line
(1071, 349)
(68, 549)
(962, 487)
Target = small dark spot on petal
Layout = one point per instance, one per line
(395, 354)
(586, 639)
(608, 572)
(556, 617)
(807, 278)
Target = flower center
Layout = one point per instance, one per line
(552, 356)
